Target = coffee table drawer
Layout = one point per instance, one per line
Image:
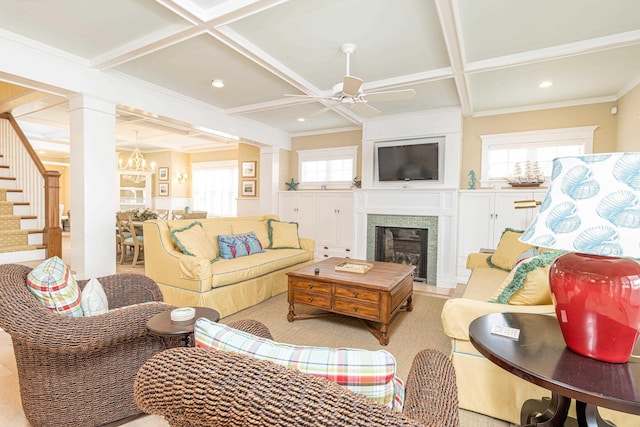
(353, 308)
(358, 294)
(305, 285)
(315, 300)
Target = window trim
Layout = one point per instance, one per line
(332, 153)
(585, 134)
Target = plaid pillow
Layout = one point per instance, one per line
(371, 373)
(53, 285)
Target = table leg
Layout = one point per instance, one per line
(292, 313)
(546, 413)
(588, 416)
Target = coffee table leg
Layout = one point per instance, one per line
(292, 314)
(409, 304)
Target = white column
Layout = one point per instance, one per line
(269, 179)
(93, 187)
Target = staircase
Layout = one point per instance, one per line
(20, 241)
(29, 216)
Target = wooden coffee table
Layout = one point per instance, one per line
(375, 297)
(162, 325)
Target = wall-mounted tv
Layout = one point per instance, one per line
(409, 160)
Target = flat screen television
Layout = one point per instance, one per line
(408, 161)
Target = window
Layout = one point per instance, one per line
(333, 167)
(215, 187)
(501, 152)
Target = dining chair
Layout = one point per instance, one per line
(162, 213)
(130, 237)
(177, 213)
(195, 215)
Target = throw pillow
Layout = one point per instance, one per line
(193, 241)
(238, 245)
(528, 282)
(283, 235)
(508, 250)
(54, 286)
(363, 371)
(93, 300)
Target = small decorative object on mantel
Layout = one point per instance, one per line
(292, 185)
(354, 267)
(356, 183)
(473, 180)
(531, 177)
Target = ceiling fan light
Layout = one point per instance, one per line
(217, 83)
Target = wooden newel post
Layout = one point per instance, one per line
(52, 231)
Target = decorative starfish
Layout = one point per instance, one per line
(292, 185)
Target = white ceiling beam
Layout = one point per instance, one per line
(448, 16)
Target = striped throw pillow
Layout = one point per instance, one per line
(371, 373)
(54, 286)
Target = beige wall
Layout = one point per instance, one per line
(248, 153)
(629, 121)
(585, 115)
(328, 140)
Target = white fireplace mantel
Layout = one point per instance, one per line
(418, 202)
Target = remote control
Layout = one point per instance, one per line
(506, 331)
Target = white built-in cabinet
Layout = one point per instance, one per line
(299, 207)
(325, 216)
(484, 214)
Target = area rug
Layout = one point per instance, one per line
(409, 332)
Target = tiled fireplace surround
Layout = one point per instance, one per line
(419, 208)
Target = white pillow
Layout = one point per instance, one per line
(93, 300)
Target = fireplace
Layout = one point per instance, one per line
(403, 245)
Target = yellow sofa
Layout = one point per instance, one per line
(484, 387)
(226, 285)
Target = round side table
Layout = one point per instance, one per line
(162, 325)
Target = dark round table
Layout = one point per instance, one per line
(541, 357)
(162, 325)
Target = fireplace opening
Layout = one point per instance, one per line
(403, 246)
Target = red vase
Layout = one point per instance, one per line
(597, 301)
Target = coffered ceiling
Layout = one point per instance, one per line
(482, 56)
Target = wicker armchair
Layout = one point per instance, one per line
(79, 371)
(198, 387)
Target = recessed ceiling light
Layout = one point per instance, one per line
(545, 84)
(217, 83)
(301, 119)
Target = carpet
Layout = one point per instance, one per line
(409, 333)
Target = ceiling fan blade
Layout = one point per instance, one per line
(351, 85)
(365, 110)
(324, 110)
(313, 97)
(389, 95)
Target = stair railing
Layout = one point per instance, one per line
(32, 177)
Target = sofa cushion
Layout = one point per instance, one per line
(528, 282)
(229, 271)
(215, 228)
(54, 286)
(257, 226)
(239, 245)
(508, 250)
(363, 371)
(93, 300)
(283, 235)
(193, 241)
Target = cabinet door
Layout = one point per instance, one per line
(345, 226)
(306, 214)
(287, 205)
(327, 219)
(475, 226)
(506, 216)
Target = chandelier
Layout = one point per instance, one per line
(136, 168)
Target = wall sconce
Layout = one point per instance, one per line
(181, 177)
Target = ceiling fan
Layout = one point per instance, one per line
(349, 93)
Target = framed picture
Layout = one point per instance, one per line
(164, 189)
(249, 188)
(163, 174)
(248, 169)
